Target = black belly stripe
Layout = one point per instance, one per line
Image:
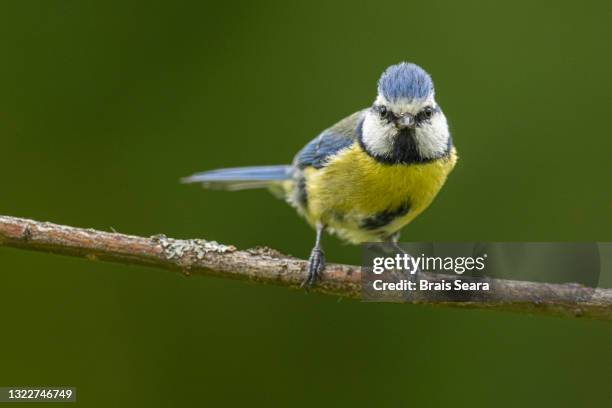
(384, 218)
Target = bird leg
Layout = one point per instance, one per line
(392, 240)
(316, 261)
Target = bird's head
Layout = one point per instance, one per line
(405, 124)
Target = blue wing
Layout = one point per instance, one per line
(338, 137)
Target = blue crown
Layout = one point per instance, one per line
(405, 81)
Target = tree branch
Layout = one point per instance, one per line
(265, 265)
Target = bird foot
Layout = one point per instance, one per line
(316, 265)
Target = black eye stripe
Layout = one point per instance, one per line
(426, 114)
(423, 116)
(384, 112)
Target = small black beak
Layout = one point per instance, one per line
(406, 121)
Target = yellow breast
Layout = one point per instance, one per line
(354, 186)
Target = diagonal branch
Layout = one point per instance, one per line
(265, 265)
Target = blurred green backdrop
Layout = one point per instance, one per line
(104, 105)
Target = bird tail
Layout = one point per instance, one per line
(241, 178)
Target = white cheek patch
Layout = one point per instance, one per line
(378, 135)
(432, 138)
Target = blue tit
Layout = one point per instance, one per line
(367, 176)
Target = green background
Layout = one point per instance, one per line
(104, 105)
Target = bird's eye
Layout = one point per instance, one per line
(383, 111)
(426, 113)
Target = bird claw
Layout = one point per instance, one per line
(316, 265)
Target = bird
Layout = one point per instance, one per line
(369, 175)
